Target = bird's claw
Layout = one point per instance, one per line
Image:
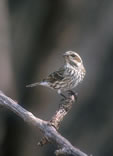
(70, 93)
(63, 99)
(76, 96)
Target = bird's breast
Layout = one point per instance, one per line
(75, 76)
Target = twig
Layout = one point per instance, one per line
(65, 106)
(64, 146)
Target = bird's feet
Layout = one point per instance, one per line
(64, 97)
(70, 93)
(62, 100)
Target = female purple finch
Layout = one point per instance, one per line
(67, 77)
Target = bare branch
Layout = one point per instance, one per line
(64, 108)
(49, 132)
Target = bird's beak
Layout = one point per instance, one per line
(65, 55)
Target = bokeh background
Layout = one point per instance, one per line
(33, 36)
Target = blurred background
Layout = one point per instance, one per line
(33, 36)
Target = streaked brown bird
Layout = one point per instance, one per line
(67, 77)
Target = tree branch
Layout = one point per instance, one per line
(49, 131)
(64, 108)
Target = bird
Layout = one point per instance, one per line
(66, 77)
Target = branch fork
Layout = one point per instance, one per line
(48, 128)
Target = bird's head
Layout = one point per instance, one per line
(72, 58)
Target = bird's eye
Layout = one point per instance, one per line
(76, 58)
(73, 55)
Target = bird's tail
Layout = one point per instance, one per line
(38, 83)
(33, 84)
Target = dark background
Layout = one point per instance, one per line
(33, 36)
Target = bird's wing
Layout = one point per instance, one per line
(55, 76)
